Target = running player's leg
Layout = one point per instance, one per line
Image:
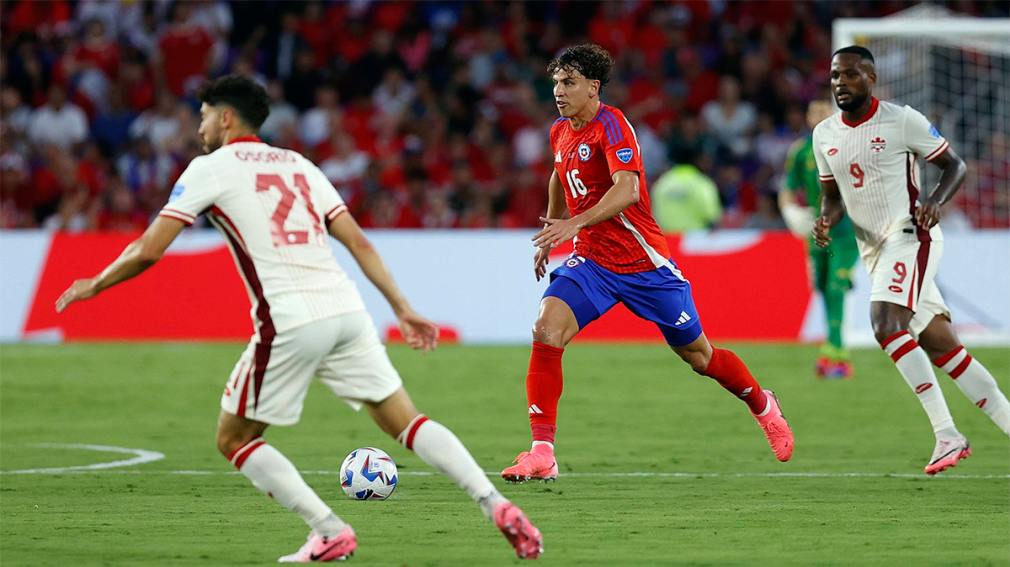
(891, 329)
(837, 283)
(663, 296)
(819, 273)
(943, 346)
(360, 371)
(726, 368)
(898, 311)
(576, 297)
(268, 387)
(440, 448)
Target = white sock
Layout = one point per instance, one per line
(272, 473)
(978, 384)
(914, 366)
(548, 443)
(440, 448)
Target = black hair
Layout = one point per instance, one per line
(590, 60)
(862, 52)
(246, 96)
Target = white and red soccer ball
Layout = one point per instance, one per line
(368, 474)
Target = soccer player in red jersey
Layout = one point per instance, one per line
(620, 256)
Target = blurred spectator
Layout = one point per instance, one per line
(767, 216)
(317, 123)
(691, 141)
(394, 94)
(289, 44)
(142, 168)
(158, 125)
(737, 195)
(16, 114)
(730, 119)
(111, 128)
(423, 114)
(685, 199)
(120, 211)
(346, 166)
(186, 51)
(302, 84)
(72, 214)
(58, 122)
(283, 115)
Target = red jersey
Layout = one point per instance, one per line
(586, 159)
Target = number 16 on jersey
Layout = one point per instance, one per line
(575, 185)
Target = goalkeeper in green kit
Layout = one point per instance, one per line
(832, 266)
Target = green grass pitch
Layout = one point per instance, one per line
(626, 409)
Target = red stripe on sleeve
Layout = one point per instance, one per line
(938, 151)
(413, 431)
(175, 216)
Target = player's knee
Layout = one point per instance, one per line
(697, 359)
(885, 329)
(229, 442)
(548, 334)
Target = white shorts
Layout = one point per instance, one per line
(271, 378)
(905, 274)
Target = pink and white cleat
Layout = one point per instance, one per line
(947, 453)
(776, 429)
(523, 535)
(318, 548)
(536, 464)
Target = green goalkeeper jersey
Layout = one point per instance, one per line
(801, 173)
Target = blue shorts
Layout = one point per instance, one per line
(660, 296)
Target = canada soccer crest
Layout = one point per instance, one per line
(878, 144)
(584, 152)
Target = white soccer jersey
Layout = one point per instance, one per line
(273, 207)
(873, 161)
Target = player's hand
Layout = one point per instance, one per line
(78, 291)
(418, 332)
(821, 229)
(556, 232)
(927, 214)
(540, 260)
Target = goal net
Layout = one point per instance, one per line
(956, 71)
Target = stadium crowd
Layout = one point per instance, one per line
(428, 114)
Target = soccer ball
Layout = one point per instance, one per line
(368, 474)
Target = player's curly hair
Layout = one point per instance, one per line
(590, 60)
(247, 97)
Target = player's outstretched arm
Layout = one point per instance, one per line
(954, 171)
(138, 256)
(621, 195)
(419, 332)
(831, 212)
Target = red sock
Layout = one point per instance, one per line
(543, 390)
(731, 373)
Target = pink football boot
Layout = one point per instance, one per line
(776, 429)
(318, 548)
(536, 464)
(947, 453)
(524, 536)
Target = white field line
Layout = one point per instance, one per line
(142, 456)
